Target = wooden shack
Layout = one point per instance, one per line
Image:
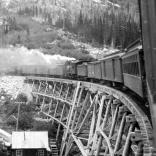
(31, 143)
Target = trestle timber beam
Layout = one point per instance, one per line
(96, 118)
(70, 116)
(53, 97)
(51, 79)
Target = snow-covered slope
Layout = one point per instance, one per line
(12, 85)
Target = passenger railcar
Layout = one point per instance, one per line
(133, 70)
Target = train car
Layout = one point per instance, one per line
(73, 67)
(67, 68)
(133, 70)
(90, 68)
(97, 70)
(70, 68)
(94, 70)
(82, 70)
(111, 67)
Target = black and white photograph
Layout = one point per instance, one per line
(77, 77)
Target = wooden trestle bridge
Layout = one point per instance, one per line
(96, 119)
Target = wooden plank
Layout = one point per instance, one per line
(51, 79)
(104, 124)
(87, 114)
(108, 142)
(58, 129)
(82, 109)
(92, 127)
(56, 110)
(55, 119)
(78, 103)
(95, 137)
(51, 96)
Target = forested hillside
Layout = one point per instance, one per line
(109, 22)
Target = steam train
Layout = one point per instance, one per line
(122, 69)
(117, 69)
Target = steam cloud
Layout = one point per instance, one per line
(21, 56)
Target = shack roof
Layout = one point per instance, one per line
(30, 140)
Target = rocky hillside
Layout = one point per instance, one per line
(100, 24)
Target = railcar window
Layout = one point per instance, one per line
(130, 59)
(131, 68)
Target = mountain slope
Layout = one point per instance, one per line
(104, 21)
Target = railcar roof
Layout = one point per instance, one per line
(137, 47)
(94, 62)
(113, 55)
(132, 51)
(84, 63)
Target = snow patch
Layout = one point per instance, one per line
(13, 85)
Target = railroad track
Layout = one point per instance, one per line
(97, 120)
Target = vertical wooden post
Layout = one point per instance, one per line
(50, 106)
(55, 110)
(92, 127)
(54, 88)
(67, 93)
(70, 141)
(98, 122)
(42, 103)
(33, 84)
(18, 116)
(78, 102)
(58, 130)
(82, 109)
(46, 88)
(44, 97)
(38, 91)
(127, 143)
(104, 123)
(87, 113)
(120, 133)
(50, 103)
(61, 90)
(70, 117)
